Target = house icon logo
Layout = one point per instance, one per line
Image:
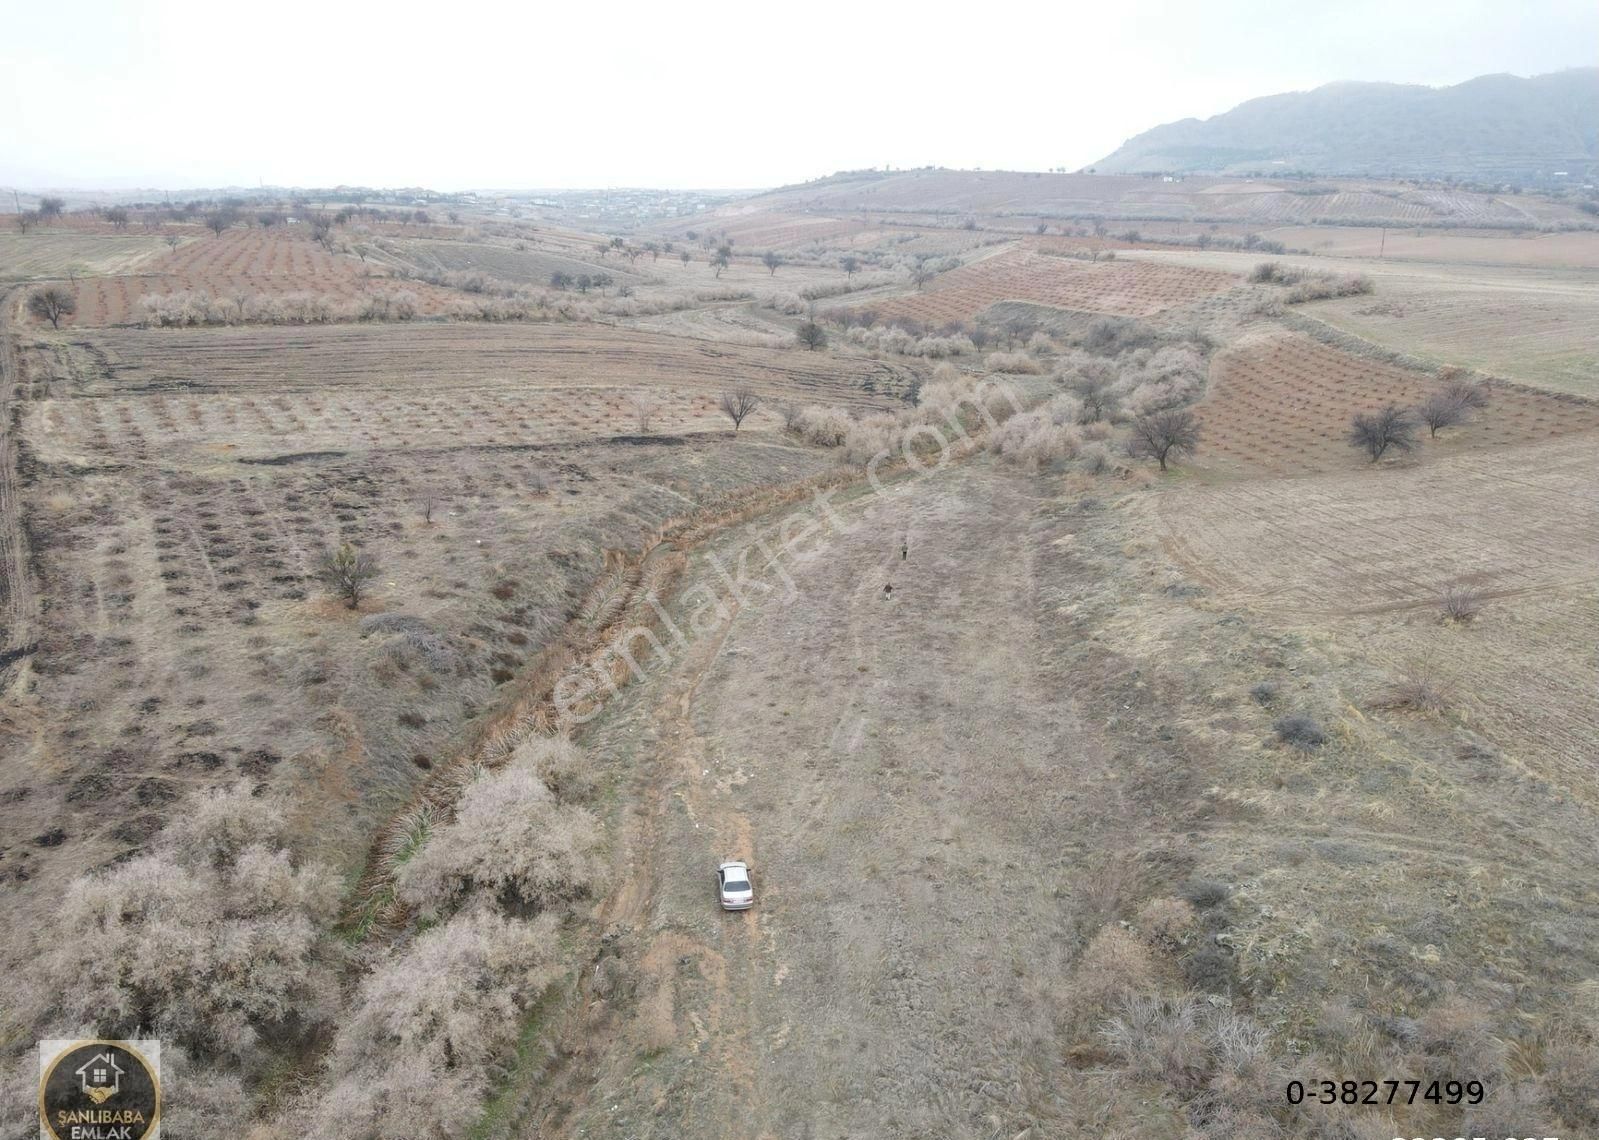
(99, 1090)
(100, 1077)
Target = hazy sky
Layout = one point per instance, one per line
(175, 93)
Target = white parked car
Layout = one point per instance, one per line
(733, 886)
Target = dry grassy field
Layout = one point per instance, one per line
(1539, 327)
(1010, 193)
(1534, 325)
(47, 254)
(1458, 247)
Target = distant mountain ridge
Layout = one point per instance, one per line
(1494, 127)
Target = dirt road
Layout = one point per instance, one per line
(916, 794)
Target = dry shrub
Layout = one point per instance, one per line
(1509, 1110)
(789, 304)
(19, 1086)
(428, 1027)
(1114, 965)
(1096, 458)
(1419, 689)
(1460, 604)
(824, 427)
(1571, 1076)
(1016, 363)
(644, 406)
(788, 414)
(562, 766)
(510, 837)
(1167, 922)
(999, 400)
(1180, 1043)
(1167, 377)
(1300, 731)
(899, 341)
(869, 438)
(1457, 1037)
(208, 941)
(1041, 437)
(197, 1097)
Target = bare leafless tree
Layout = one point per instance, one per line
(27, 220)
(812, 335)
(850, 264)
(1164, 434)
(52, 303)
(1376, 432)
(1094, 384)
(738, 405)
(772, 261)
(219, 220)
(789, 413)
(644, 407)
(1440, 410)
(1453, 403)
(118, 217)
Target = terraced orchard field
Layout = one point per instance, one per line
(269, 262)
(1135, 289)
(260, 392)
(1282, 402)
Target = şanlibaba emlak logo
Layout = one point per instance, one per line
(99, 1090)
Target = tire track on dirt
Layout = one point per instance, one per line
(679, 773)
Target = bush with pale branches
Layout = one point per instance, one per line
(209, 940)
(510, 837)
(415, 1053)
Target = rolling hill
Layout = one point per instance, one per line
(1492, 127)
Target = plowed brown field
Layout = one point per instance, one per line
(1136, 289)
(1282, 402)
(252, 262)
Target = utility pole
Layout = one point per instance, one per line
(1384, 244)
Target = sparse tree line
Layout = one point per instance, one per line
(219, 216)
(1119, 393)
(1455, 401)
(186, 309)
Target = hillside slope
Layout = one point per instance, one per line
(1495, 126)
